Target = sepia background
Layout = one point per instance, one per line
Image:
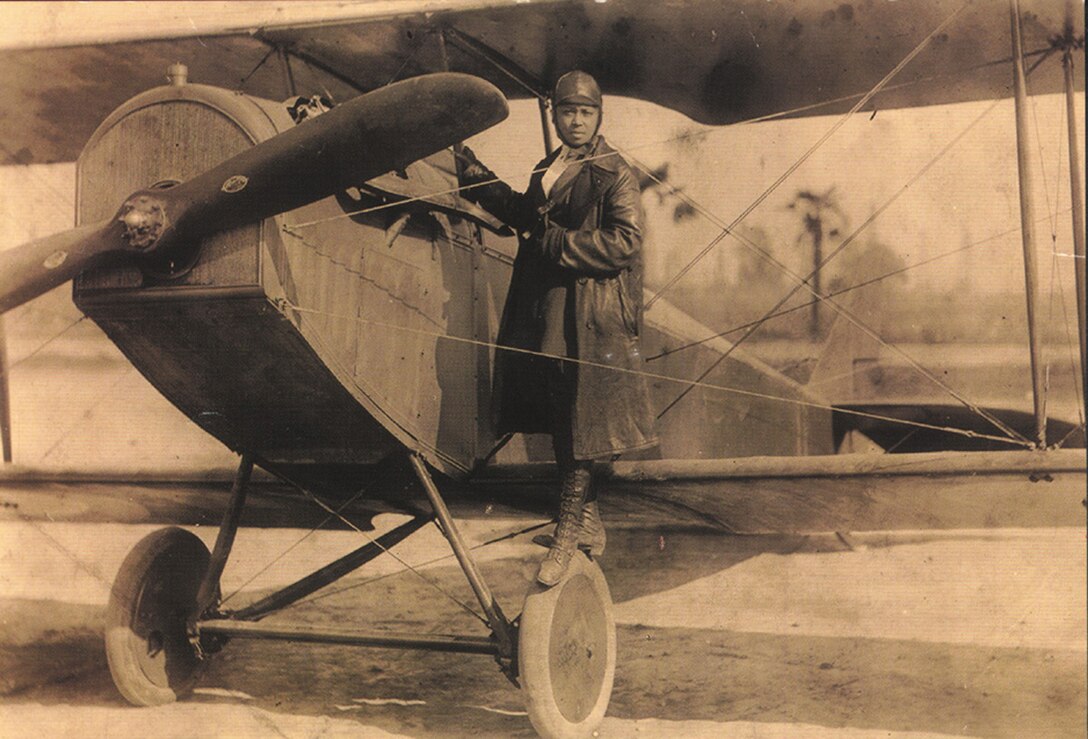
(967, 634)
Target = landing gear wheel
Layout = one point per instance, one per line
(567, 652)
(151, 658)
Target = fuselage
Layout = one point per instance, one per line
(335, 335)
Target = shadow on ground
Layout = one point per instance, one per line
(665, 673)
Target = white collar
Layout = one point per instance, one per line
(557, 167)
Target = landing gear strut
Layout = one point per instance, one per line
(164, 619)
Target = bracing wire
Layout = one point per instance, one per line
(242, 82)
(428, 563)
(1053, 249)
(415, 570)
(852, 319)
(41, 347)
(1072, 357)
(774, 311)
(401, 202)
(107, 395)
(1042, 168)
(811, 150)
(408, 59)
(863, 100)
(463, 40)
(1061, 162)
(679, 137)
(292, 231)
(841, 291)
(1073, 430)
(1055, 281)
(1055, 259)
(328, 519)
(1012, 437)
(804, 284)
(317, 78)
(648, 375)
(78, 561)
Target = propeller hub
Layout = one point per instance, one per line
(144, 219)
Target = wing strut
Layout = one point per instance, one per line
(1027, 222)
(5, 397)
(288, 76)
(1071, 43)
(533, 84)
(544, 127)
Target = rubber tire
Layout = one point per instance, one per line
(147, 645)
(567, 652)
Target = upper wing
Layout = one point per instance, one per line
(716, 61)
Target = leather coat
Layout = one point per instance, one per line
(590, 230)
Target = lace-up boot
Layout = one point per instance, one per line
(591, 536)
(571, 502)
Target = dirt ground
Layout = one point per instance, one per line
(966, 633)
(969, 633)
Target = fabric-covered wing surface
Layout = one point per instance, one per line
(717, 61)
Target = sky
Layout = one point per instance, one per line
(968, 195)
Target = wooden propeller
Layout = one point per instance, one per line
(162, 229)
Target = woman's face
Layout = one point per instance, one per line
(576, 123)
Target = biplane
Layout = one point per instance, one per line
(308, 283)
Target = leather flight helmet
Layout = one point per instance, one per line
(577, 87)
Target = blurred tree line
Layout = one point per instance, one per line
(869, 276)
